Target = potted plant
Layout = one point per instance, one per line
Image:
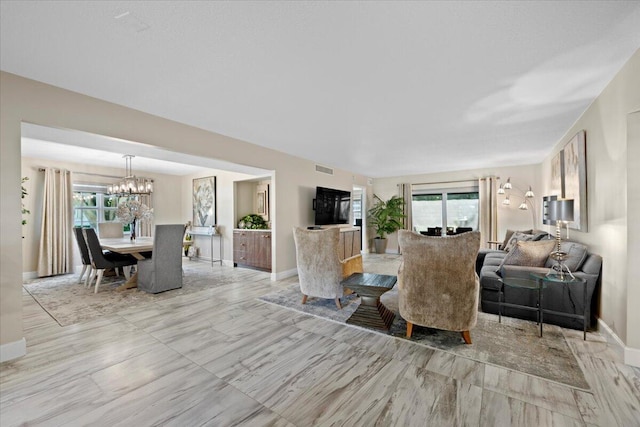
(386, 217)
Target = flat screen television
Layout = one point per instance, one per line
(332, 206)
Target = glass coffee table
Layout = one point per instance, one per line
(536, 282)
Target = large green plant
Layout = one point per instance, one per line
(386, 216)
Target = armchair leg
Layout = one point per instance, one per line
(338, 303)
(466, 336)
(409, 329)
(304, 299)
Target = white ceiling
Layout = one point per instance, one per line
(379, 88)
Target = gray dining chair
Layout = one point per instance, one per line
(163, 271)
(84, 253)
(101, 261)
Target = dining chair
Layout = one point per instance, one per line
(84, 253)
(163, 271)
(107, 230)
(101, 261)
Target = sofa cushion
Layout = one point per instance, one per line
(529, 254)
(517, 237)
(576, 254)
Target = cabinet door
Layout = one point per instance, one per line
(264, 253)
(357, 242)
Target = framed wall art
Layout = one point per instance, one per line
(574, 155)
(204, 201)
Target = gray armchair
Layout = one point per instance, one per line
(320, 269)
(437, 282)
(163, 271)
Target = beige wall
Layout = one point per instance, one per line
(168, 189)
(610, 169)
(30, 101)
(633, 227)
(224, 209)
(508, 217)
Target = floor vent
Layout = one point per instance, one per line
(323, 169)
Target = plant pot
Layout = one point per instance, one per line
(380, 245)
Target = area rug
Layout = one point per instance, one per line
(69, 302)
(513, 344)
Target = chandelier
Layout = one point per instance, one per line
(130, 184)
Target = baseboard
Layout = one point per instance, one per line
(630, 355)
(284, 274)
(13, 350)
(28, 275)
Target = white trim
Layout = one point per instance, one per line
(28, 275)
(13, 350)
(284, 274)
(630, 355)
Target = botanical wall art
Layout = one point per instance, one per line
(204, 201)
(571, 164)
(262, 201)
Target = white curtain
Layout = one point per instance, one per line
(146, 227)
(488, 210)
(56, 241)
(405, 192)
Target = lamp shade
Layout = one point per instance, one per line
(561, 210)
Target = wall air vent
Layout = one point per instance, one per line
(323, 169)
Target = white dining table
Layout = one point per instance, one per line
(125, 245)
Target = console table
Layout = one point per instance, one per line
(212, 237)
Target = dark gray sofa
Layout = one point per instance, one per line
(558, 297)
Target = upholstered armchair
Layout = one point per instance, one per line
(320, 269)
(163, 271)
(437, 282)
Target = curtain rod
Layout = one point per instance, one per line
(450, 182)
(86, 173)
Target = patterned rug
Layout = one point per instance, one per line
(513, 344)
(69, 302)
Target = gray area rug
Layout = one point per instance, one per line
(513, 344)
(69, 302)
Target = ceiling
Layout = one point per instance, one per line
(377, 88)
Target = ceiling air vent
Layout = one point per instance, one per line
(323, 169)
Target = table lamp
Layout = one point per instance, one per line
(560, 211)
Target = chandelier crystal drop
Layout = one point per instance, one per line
(130, 184)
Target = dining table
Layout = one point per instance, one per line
(124, 245)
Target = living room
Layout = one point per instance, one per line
(613, 174)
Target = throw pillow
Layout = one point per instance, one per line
(576, 254)
(517, 237)
(529, 254)
(509, 234)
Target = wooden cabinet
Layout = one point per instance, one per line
(252, 248)
(349, 243)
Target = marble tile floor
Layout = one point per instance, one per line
(219, 357)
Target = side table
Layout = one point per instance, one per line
(553, 279)
(537, 282)
(369, 287)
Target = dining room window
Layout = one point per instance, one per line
(92, 205)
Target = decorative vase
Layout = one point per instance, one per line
(133, 231)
